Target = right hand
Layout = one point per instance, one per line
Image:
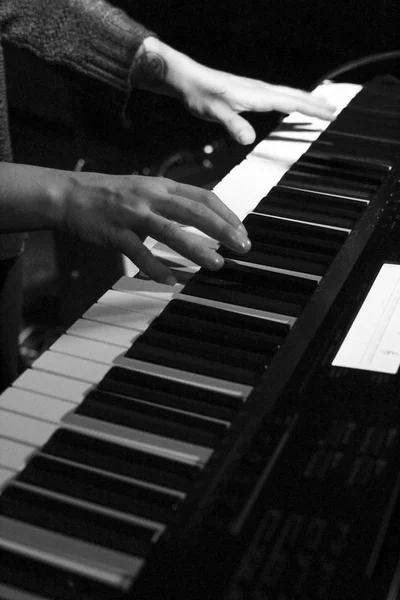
(120, 211)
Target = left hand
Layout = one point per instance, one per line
(218, 96)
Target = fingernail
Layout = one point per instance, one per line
(215, 263)
(242, 245)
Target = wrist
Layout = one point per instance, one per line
(31, 197)
(59, 187)
(160, 68)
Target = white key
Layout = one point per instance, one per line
(118, 317)
(71, 366)
(134, 302)
(13, 455)
(103, 332)
(51, 385)
(101, 352)
(144, 287)
(279, 149)
(25, 429)
(45, 408)
(6, 475)
(174, 260)
(338, 94)
(246, 184)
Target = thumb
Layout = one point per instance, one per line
(237, 126)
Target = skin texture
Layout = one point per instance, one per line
(217, 96)
(120, 211)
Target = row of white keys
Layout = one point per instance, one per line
(65, 373)
(31, 417)
(244, 187)
(58, 396)
(20, 436)
(149, 298)
(105, 334)
(96, 337)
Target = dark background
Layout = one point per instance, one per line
(53, 123)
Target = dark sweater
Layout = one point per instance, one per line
(89, 37)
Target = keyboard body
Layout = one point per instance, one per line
(251, 461)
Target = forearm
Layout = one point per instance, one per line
(158, 68)
(89, 36)
(31, 197)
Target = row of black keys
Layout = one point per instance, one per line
(138, 401)
(231, 346)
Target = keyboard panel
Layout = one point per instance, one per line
(136, 422)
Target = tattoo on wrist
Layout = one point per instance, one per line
(150, 68)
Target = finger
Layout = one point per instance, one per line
(209, 199)
(197, 214)
(237, 126)
(310, 105)
(289, 100)
(129, 244)
(296, 92)
(170, 234)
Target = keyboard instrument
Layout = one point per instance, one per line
(235, 436)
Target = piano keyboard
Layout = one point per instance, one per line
(102, 441)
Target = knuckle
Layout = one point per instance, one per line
(210, 199)
(199, 210)
(168, 230)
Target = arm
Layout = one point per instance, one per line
(89, 37)
(119, 212)
(215, 95)
(98, 40)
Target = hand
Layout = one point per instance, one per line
(120, 211)
(221, 97)
(215, 95)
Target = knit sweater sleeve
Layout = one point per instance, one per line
(88, 36)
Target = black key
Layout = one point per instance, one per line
(75, 521)
(208, 359)
(220, 327)
(101, 489)
(311, 175)
(275, 331)
(253, 288)
(128, 462)
(307, 206)
(350, 171)
(378, 99)
(48, 581)
(353, 150)
(174, 394)
(288, 245)
(367, 124)
(137, 415)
